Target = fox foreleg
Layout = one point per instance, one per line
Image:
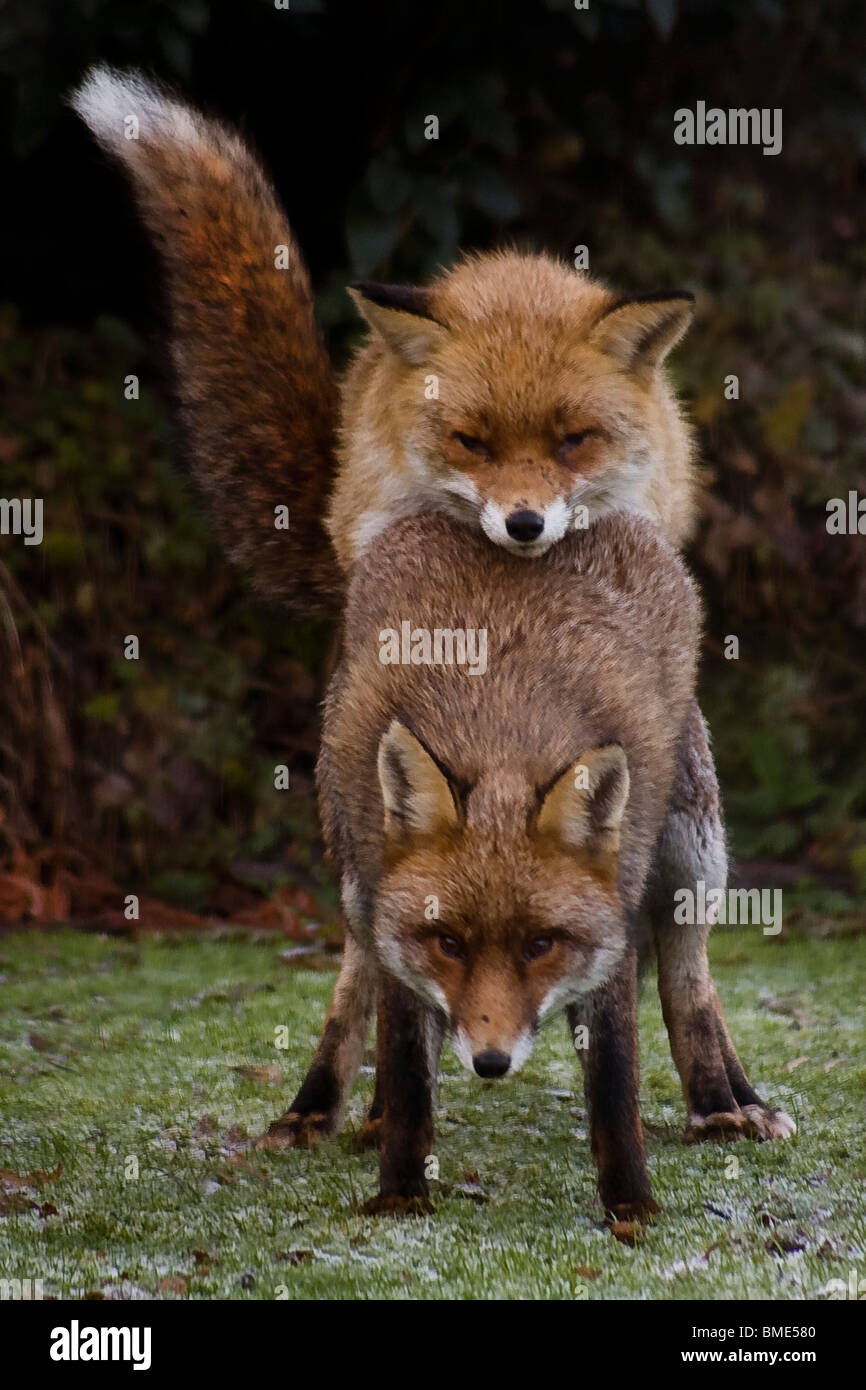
(610, 1064)
(408, 1041)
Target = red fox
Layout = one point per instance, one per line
(523, 402)
(516, 394)
(499, 840)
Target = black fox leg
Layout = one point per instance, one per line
(317, 1110)
(720, 1102)
(409, 1036)
(610, 1063)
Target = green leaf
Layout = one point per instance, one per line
(103, 708)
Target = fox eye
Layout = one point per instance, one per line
(451, 946)
(474, 446)
(574, 441)
(537, 947)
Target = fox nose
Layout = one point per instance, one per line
(491, 1064)
(524, 526)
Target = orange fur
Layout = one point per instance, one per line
(519, 354)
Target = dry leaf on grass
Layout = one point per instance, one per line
(37, 1178)
(271, 1076)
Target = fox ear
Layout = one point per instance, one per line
(585, 806)
(640, 332)
(415, 793)
(401, 315)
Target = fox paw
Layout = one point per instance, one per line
(393, 1205)
(627, 1221)
(295, 1131)
(770, 1124)
(630, 1220)
(369, 1136)
(752, 1122)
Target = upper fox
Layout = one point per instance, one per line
(516, 394)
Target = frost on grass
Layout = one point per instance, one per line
(206, 1218)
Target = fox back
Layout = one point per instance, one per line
(493, 823)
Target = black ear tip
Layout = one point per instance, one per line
(364, 288)
(385, 295)
(660, 297)
(665, 297)
(406, 299)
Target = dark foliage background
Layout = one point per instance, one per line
(156, 776)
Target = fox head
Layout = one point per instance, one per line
(499, 905)
(524, 397)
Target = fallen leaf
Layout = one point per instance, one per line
(788, 1005)
(272, 1076)
(175, 1283)
(14, 1201)
(473, 1190)
(786, 1243)
(628, 1232)
(38, 1178)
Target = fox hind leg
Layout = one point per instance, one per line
(317, 1110)
(721, 1104)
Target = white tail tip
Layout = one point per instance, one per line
(107, 98)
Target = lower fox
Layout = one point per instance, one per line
(497, 841)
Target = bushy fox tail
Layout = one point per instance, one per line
(256, 390)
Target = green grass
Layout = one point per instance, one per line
(111, 1051)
